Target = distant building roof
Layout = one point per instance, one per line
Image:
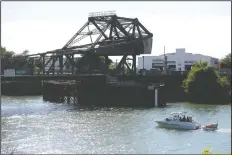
(173, 53)
(168, 54)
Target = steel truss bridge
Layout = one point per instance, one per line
(104, 34)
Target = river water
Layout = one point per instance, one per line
(30, 125)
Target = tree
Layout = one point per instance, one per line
(204, 85)
(109, 62)
(5, 53)
(226, 61)
(201, 64)
(25, 52)
(37, 69)
(38, 63)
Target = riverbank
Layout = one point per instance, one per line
(173, 89)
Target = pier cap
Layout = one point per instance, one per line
(155, 86)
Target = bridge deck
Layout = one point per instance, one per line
(80, 77)
(53, 77)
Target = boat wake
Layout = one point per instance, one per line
(223, 130)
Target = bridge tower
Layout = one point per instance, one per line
(105, 34)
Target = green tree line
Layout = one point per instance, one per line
(10, 54)
(226, 61)
(204, 85)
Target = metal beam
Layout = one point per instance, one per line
(99, 29)
(140, 34)
(134, 63)
(121, 28)
(144, 29)
(73, 63)
(90, 35)
(116, 31)
(129, 19)
(72, 58)
(128, 67)
(82, 28)
(61, 64)
(53, 61)
(43, 65)
(111, 31)
(133, 33)
(121, 63)
(102, 33)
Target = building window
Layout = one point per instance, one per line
(188, 67)
(155, 65)
(215, 62)
(171, 66)
(191, 61)
(157, 60)
(171, 61)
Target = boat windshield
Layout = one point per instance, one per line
(181, 116)
(178, 113)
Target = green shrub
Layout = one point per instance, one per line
(204, 85)
(36, 69)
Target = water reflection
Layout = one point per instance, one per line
(33, 126)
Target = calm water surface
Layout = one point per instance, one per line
(30, 125)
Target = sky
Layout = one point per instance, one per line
(199, 27)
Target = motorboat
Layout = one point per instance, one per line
(210, 127)
(179, 120)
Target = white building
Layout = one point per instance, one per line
(179, 61)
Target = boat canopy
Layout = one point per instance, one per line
(178, 113)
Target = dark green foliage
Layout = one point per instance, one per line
(109, 62)
(226, 62)
(204, 85)
(11, 60)
(9, 54)
(36, 69)
(38, 63)
(90, 62)
(5, 53)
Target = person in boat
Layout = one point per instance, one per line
(184, 119)
(190, 119)
(181, 119)
(187, 120)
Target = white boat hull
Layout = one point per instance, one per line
(178, 125)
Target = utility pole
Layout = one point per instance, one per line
(165, 62)
(116, 63)
(143, 62)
